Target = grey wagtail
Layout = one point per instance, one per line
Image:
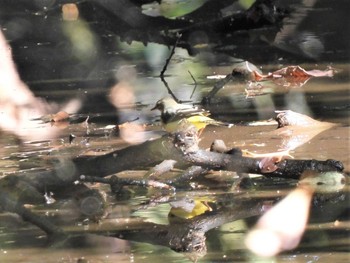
(173, 114)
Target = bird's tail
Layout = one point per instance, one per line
(209, 121)
(220, 123)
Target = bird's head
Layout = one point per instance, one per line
(167, 104)
(159, 105)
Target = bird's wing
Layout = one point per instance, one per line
(191, 112)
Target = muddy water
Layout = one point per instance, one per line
(327, 237)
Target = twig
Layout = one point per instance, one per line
(218, 85)
(169, 90)
(159, 169)
(188, 175)
(195, 84)
(169, 58)
(166, 66)
(154, 201)
(116, 182)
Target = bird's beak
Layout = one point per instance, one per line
(154, 108)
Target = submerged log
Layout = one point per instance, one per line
(186, 235)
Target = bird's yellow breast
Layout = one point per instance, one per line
(199, 121)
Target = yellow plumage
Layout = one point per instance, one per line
(187, 209)
(175, 115)
(199, 208)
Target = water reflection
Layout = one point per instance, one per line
(207, 219)
(122, 222)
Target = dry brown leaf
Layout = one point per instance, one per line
(53, 118)
(269, 160)
(268, 164)
(294, 72)
(60, 116)
(292, 76)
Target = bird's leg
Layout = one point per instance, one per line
(200, 132)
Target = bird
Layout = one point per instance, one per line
(174, 115)
(188, 208)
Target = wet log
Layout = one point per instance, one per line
(183, 148)
(143, 156)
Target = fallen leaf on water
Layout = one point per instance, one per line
(294, 72)
(292, 76)
(59, 116)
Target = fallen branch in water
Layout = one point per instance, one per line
(181, 147)
(184, 150)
